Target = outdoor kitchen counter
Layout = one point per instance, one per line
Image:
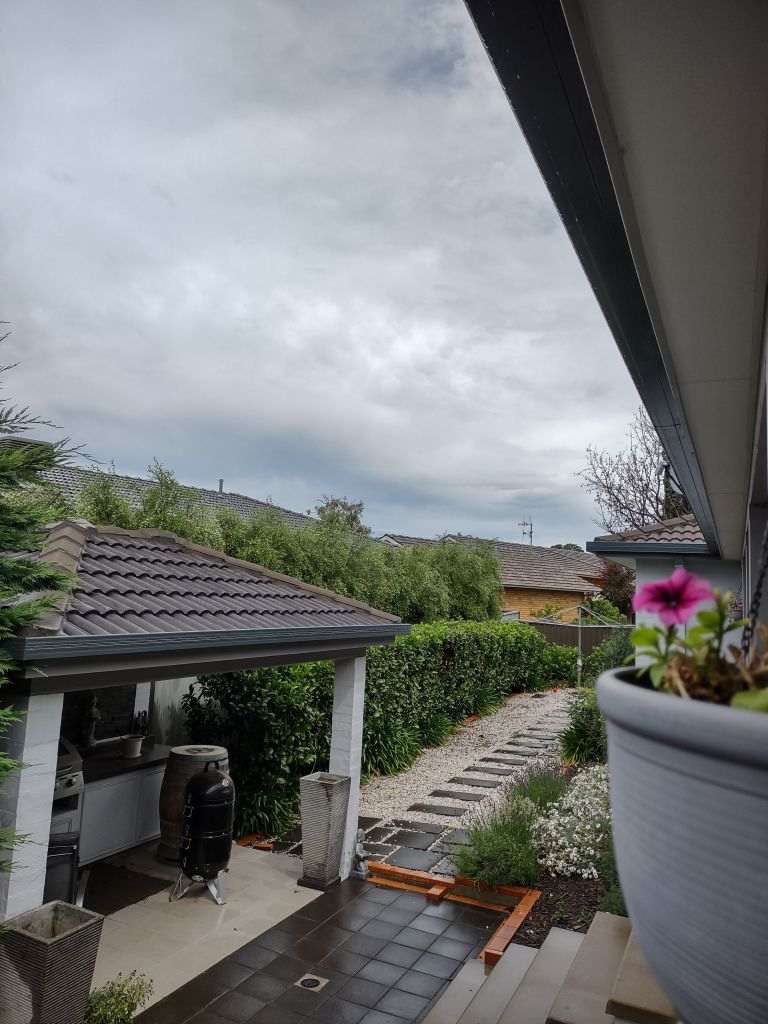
(108, 761)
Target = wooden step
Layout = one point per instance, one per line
(588, 985)
(636, 995)
(542, 981)
(459, 994)
(499, 987)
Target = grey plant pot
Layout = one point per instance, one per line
(47, 957)
(689, 799)
(324, 799)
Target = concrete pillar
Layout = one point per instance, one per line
(27, 796)
(347, 743)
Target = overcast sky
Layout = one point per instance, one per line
(300, 245)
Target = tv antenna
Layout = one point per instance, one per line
(527, 525)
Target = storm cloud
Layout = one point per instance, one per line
(300, 245)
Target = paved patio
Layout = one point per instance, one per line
(382, 957)
(172, 943)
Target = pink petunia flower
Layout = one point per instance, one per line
(674, 600)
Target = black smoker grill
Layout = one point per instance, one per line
(206, 843)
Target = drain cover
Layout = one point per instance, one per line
(312, 982)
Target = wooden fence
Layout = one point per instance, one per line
(568, 633)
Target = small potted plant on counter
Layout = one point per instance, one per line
(132, 743)
(688, 757)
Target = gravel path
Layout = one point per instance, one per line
(390, 797)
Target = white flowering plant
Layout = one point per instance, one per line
(572, 834)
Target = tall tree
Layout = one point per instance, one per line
(634, 486)
(28, 587)
(334, 511)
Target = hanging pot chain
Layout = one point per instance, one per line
(757, 596)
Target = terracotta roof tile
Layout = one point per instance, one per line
(681, 530)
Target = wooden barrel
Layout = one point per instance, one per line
(183, 763)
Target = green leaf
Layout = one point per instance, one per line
(656, 673)
(709, 617)
(751, 700)
(646, 636)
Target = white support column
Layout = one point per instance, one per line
(26, 798)
(347, 743)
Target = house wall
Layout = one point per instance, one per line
(527, 600)
(167, 723)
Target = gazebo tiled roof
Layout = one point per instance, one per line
(149, 592)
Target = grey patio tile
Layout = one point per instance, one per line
(437, 966)
(402, 1004)
(452, 948)
(419, 984)
(364, 993)
(413, 840)
(401, 956)
(236, 1007)
(381, 971)
(416, 860)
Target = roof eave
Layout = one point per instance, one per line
(39, 649)
(532, 51)
(648, 548)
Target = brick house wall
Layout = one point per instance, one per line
(526, 600)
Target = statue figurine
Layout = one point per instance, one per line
(360, 861)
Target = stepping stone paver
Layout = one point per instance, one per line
(458, 795)
(379, 849)
(413, 840)
(457, 837)
(521, 751)
(376, 835)
(416, 860)
(366, 823)
(505, 760)
(442, 809)
(445, 867)
(418, 826)
(480, 783)
(490, 771)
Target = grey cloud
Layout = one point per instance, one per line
(304, 247)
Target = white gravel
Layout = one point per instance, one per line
(391, 796)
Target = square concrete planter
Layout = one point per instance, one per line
(324, 799)
(47, 957)
(689, 802)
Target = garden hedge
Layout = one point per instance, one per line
(276, 722)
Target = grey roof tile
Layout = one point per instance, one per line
(149, 581)
(528, 565)
(71, 480)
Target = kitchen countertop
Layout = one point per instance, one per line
(107, 761)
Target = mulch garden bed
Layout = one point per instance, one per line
(564, 903)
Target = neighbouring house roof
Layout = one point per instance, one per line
(71, 480)
(528, 566)
(402, 540)
(680, 535)
(147, 592)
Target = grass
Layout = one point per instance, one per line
(501, 849)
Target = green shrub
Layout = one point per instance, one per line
(276, 722)
(611, 653)
(436, 730)
(424, 583)
(560, 664)
(542, 788)
(118, 1000)
(584, 741)
(502, 849)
